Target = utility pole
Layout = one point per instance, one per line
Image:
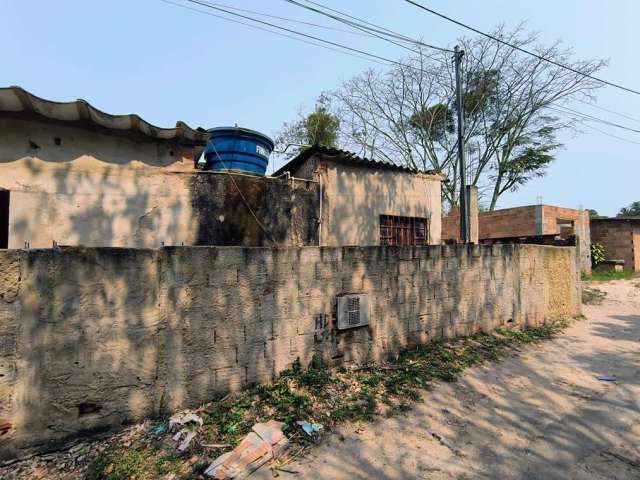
(464, 223)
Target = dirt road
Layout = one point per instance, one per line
(542, 414)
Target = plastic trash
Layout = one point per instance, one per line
(188, 424)
(310, 428)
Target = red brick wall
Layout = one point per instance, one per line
(508, 222)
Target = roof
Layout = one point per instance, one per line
(347, 158)
(15, 102)
(616, 219)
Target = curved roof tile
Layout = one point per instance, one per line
(17, 102)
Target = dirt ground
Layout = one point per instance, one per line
(542, 414)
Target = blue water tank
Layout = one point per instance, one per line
(236, 148)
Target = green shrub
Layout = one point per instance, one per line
(597, 253)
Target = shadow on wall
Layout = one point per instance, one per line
(88, 201)
(102, 205)
(356, 198)
(98, 338)
(254, 211)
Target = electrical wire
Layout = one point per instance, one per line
(280, 34)
(583, 121)
(286, 19)
(523, 50)
(312, 37)
(610, 134)
(628, 117)
(364, 28)
(591, 117)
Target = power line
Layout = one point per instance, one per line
(583, 122)
(257, 27)
(628, 117)
(611, 134)
(293, 20)
(363, 29)
(591, 117)
(312, 37)
(523, 50)
(360, 25)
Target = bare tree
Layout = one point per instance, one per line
(405, 115)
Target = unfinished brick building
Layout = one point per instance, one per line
(620, 238)
(512, 224)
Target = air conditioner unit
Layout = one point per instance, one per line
(352, 311)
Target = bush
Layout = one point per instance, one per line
(597, 253)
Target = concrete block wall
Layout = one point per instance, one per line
(620, 238)
(94, 338)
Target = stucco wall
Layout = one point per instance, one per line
(95, 189)
(92, 339)
(355, 197)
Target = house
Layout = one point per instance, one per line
(73, 175)
(367, 202)
(620, 237)
(529, 223)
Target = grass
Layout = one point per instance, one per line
(592, 296)
(608, 275)
(316, 394)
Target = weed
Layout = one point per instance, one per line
(608, 275)
(323, 395)
(592, 296)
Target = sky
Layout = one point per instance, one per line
(168, 63)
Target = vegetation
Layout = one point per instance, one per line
(597, 253)
(320, 127)
(405, 114)
(593, 213)
(315, 394)
(592, 296)
(633, 210)
(608, 275)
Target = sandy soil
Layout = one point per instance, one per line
(541, 414)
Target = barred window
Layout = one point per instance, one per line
(395, 230)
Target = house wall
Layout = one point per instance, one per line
(98, 189)
(620, 238)
(94, 338)
(354, 198)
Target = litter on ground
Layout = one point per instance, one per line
(260, 446)
(310, 428)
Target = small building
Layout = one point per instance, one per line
(620, 237)
(367, 202)
(532, 223)
(73, 175)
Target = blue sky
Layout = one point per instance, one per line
(166, 64)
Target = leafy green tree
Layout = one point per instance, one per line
(320, 127)
(633, 210)
(593, 213)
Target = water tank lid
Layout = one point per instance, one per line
(220, 131)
